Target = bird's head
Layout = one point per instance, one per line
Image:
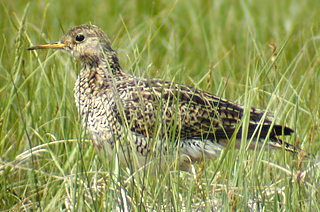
(87, 43)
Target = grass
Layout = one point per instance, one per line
(257, 53)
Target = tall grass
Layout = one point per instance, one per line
(258, 53)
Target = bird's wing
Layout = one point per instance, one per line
(150, 105)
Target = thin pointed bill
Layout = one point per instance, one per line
(48, 46)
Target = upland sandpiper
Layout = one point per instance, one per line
(136, 118)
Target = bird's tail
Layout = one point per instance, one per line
(279, 144)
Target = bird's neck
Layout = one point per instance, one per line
(104, 64)
(110, 62)
(101, 74)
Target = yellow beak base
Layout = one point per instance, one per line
(48, 46)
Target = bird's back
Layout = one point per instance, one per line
(195, 114)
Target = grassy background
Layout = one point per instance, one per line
(258, 53)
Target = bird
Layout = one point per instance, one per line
(137, 120)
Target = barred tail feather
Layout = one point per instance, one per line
(279, 144)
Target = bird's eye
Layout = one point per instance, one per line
(79, 37)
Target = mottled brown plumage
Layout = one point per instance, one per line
(136, 118)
